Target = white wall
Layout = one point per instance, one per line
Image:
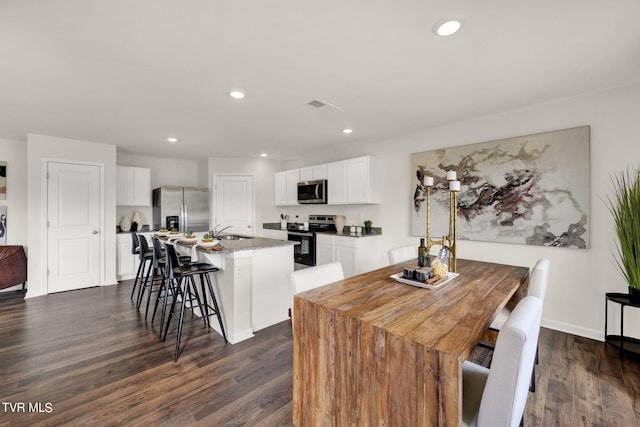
(39, 148)
(262, 171)
(579, 278)
(15, 154)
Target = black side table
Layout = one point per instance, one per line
(625, 344)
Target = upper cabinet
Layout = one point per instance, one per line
(313, 173)
(133, 186)
(286, 187)
(352, 181)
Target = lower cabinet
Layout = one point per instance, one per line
(126, 262)
(356, 254)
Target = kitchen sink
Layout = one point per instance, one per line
(233, 237)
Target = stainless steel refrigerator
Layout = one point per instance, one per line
(185, 208)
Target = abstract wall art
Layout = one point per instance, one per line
(531, 190)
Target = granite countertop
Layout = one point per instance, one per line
(375, 231)
(246, 244)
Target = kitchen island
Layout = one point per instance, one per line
(252, 286)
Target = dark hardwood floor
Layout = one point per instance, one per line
(88, 357)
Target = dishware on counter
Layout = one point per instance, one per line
(209, 243)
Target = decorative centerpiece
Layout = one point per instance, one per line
(208, 241)
(174, 231)
(624, 204)
(190, 235)
(450, 239)
(125, 224)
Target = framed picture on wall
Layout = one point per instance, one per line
(531, 189)
(3, 180)
(3, 225)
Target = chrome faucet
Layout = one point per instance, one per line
(215, 234)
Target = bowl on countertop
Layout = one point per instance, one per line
(210, 244)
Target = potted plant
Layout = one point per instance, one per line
(624, 204)
(367, 227)
(207, 238)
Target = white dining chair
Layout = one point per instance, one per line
(403, 253)
(314, 277)
(537, 288)
(497, 396)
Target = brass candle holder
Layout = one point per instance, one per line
(450, 239)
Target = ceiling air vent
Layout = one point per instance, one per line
(322, 106)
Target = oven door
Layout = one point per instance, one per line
(305, 251)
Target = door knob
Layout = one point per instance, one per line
(94, 232)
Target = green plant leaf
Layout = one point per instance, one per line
(624, 205)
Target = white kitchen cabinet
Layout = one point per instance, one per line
(324, 248)
(313, 173)
(362, 180)
(293, 178)
(353, 181)
(336, 181)
(133, 186)
(127, 263)
(286, 187)
(280, 188)
(356, 254)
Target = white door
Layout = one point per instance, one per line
(234, 203)
(73, 219)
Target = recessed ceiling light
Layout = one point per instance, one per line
(263, 154)
(347, 131)
(172, 139)
(237, 93)
(447, 27)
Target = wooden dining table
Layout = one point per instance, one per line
(371, 351)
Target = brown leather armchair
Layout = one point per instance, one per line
(13, 266)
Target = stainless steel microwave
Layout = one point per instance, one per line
(312, 192)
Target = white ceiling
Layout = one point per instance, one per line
(132, 72)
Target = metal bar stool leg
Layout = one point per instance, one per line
(190, 283)
(159, 295)
(177, 294)
(136, 280)
(215, 307)
(143, 285)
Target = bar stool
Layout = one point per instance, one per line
(167, 288)
(135, 250)
(187, 290)
(156, 267)
(146, 256)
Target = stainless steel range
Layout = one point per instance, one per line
(305, 252)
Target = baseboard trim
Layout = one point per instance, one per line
(574, 330)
